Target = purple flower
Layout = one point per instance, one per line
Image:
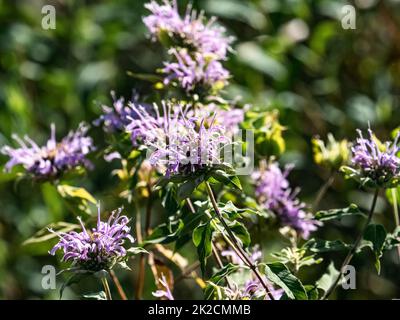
(191, 32)
(180, 144)
(53, 159)
(99, 248)
(193, 71)
(377, 161)
(165, 292)
(117, 117)
(274, 193)
(255, 256)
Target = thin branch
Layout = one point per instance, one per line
(121, 291)
(235, 243)
(353, 250)
(106, 288)
(322, 191)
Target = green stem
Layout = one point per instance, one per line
(353, 250)
(322, 191)
(395, 212)
(235, 245)
(106, 288)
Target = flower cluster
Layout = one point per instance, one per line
(195, 45)
(194, 70)
(274, 193)
(376, 161)
(191, 31)
(54, 158)
(178, 143)
(99, 248)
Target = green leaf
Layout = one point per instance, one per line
(202, 239)
(312, 292)
(241, 232)
(186, 189)
(279, 274)
(392, 239)
(319, 245)
(326, 281)
(169, 198)
(217, 278)
(77, 199)
(136, 250)
(338, 213)
(165, 233)
(226, 179)
(44, 234)
(96, 296)
(376, 234)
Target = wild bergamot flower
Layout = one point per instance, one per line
(99, 248)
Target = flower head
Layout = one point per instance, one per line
(116, 117)
(191, 31)
(99, 248)
(274, 193)
(376, 161)
(180, 144)
(195, 70)
(54, 158)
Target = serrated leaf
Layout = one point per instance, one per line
(44, 234)
(77, 199)
(338, 213)
(319, 245)
(165, 233)
(202, 239)
(326, 281)
(240, 232)
(217, 278)
(279, 274)
(226, 179)
(376, 234)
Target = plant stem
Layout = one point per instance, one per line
(106, 288)
(142, 261)
(235, 243)
(322, 191)
(121, 291)
(395, 212)
(353, 249)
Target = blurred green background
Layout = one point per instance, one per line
(292, 55)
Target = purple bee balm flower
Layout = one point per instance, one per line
(193, 71)
(192, 31)
(274, 193)
(53, 159)
(165, 292)
(99, 248)
(117, 117)
(180, 144)
(376, 161)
